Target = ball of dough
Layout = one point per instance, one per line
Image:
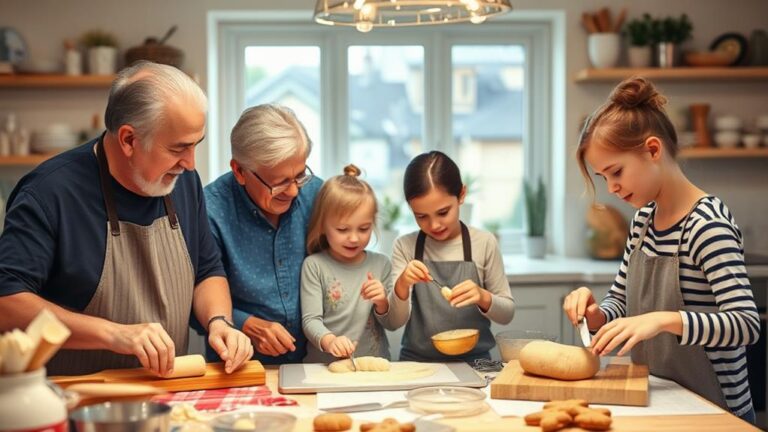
(446, 292)
(554, 360)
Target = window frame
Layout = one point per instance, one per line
(229, 32)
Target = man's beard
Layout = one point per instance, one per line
(157, 188)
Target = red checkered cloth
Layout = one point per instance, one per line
(227, 399)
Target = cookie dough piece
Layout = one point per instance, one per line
(446, 292)
(364, 364)
(332, 422)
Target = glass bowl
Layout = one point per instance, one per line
(254, 421)
(446, 400)
(510, 342)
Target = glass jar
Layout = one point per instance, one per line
(28, 404)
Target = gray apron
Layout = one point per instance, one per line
(147, 277)
(653, 284)
(432, 314)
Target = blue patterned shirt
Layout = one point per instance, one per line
(263, 264)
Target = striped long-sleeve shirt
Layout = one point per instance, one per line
(712, 275)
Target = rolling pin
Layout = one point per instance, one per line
(48, 334)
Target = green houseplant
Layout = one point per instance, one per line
(389, 214)
(536, 218)
(471, 184)
(638, 31)
(667, 35)
(102, 51)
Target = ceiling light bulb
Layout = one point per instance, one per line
(364, 26)
(472, 5)
(358, 4)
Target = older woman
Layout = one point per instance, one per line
(259, 214)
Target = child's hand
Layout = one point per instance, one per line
(341, 346)
(468, 293)
(580, 303)
(634, 329)
(416, 271)
(373, 291)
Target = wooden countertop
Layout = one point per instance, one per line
(489, 421)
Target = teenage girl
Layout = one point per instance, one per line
(344, 288)
(681, 301)
(465, 259)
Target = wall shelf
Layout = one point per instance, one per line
(29, 160)
(55, 81)
(675, 74)
(722, 153)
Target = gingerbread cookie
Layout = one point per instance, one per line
(332, 422)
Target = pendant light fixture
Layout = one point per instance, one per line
(367, 14)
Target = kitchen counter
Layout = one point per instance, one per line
(489, 421)
(557, 269)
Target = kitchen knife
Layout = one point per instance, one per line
(586, 338)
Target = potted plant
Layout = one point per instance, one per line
(639, 33)
(102, 52)
(667, 34)
(389, 214)
(536, 218)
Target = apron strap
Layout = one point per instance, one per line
(685, 222)
(171, 210)
(465, 242)
(106, 189)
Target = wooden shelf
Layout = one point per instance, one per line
(55, 81)
(722, 153)
(29, 160)
(675, 74)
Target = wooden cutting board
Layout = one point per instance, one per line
(215, 377)
(614, 384)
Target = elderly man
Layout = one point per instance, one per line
(112, 236)
(259, 214)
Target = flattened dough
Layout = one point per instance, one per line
(364, 364)
(398, 372)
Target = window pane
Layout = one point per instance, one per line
(386, 104)
(488, 114)
(290, 76)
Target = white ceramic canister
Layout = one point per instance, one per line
(27, 404)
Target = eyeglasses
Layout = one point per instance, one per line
(300, 180)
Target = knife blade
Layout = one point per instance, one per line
(352, 360)
(371, 406)
(586, 338)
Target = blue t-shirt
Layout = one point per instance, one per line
(263, 264)
(55, 232)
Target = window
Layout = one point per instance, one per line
(378, 99)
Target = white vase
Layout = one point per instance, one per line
(640, 56)
(101, 60)
(535, 247)
(604, 49)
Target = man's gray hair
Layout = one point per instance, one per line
(141, 93)
(268, 134)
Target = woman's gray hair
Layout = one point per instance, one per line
(268, 134)
(141, 93)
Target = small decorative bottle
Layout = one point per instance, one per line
(73, 61)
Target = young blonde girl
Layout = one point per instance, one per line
(681, 301)
(344, 288)
(465, 259)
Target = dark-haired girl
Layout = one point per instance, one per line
(681, 302)
(464, 259)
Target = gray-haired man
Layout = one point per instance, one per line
(112, 236)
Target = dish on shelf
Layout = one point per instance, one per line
(733, 44)
(728, 122)
(727, 139)
(709, 59)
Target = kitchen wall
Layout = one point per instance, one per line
(741, 183)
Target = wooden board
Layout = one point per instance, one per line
(215, 377)
(615, 384)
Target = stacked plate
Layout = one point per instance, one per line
(54, 138)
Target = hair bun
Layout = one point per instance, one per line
(637, 92)
(352, 170)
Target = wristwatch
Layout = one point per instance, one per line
(220, 317)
